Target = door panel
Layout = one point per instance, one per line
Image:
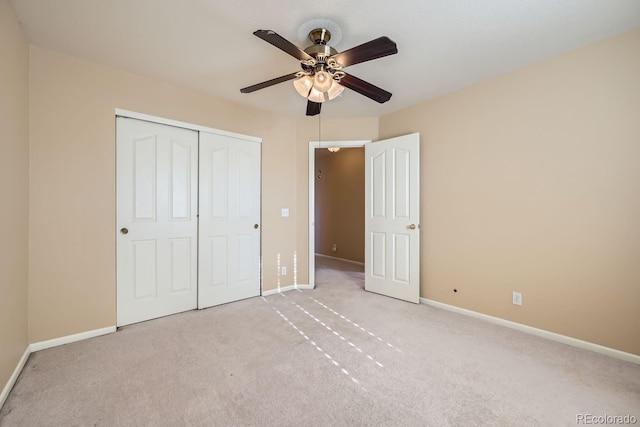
(378, 255)
(144, 176)
(401, 254)
(246, 185)
(379, 189)
(392, 206)
(144, 269)
(156, 186)
(217, 172)
(218, 262)
(180, 255)
(229, 267)
(180, 181)
(401, 189)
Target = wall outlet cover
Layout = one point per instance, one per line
(517, 298)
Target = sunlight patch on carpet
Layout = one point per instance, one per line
(355, 324)
(336, 333)
(327, 355)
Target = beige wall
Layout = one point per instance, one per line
(354, 129)
(72, 213)
(531, 183)
(14, 190)
(339, 203)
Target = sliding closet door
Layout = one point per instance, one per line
(157, 172)
(229, 230)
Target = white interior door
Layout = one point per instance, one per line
(157, 173)
(392, 209)
(229, 233)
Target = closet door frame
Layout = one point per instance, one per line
(175, 123)
(164, 121)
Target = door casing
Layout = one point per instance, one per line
(313, 145)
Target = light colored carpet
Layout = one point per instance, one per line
(336, 355)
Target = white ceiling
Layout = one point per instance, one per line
(208, 45)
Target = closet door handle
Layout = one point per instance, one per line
(124, 230)
(255, 226)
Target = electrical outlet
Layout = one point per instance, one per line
(334, 248)
(284, 212)
(517, 298)
(283, 271)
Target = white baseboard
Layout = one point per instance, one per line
(285, 289)
(14, 377)
(42, 345)
(628, 357)
(340, 259)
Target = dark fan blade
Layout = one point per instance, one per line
(374, 49)
(313, 108)
(268, 83)
(282, 44)
(365, 88)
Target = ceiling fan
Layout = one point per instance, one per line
(322, 77)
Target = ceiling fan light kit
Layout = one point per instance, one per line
(315, 91)
(322, 78)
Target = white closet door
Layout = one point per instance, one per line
(392, 209)
(157, 173)
(229, 233)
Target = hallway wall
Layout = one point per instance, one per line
(339, 203)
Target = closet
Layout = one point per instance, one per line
(188, 217)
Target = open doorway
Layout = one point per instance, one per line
(336, 212)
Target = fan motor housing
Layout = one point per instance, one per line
(320, 37)
(320, 50)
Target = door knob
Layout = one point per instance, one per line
(124, 230)
(412, 226)
(255, 226)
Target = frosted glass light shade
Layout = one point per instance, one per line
(322, 81)
(335, 90)
(317, 96)
(303, 85)
(334, 149)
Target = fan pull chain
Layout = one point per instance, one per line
(319, 134)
